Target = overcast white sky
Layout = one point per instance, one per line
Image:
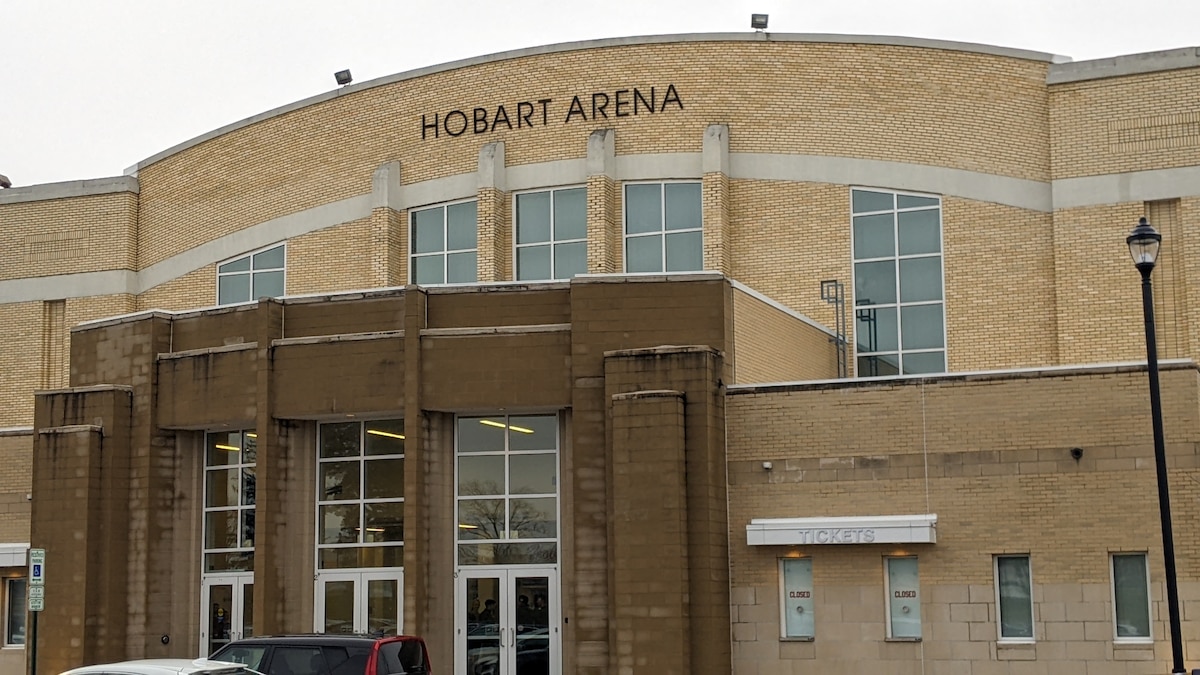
(90, 88)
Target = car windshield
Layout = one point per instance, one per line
(249, 655)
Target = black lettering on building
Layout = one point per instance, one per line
(426, 126)
(446, 122)
(576, 109)
(501, 117)
(637, 96)
(524, 112)
(622, 102)
(599, 110)
(671, 96)
(480, 120)
(545, 110)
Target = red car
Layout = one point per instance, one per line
(329, 655)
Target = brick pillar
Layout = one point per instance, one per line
(387, 232)
(80, 516)
(691, 594)
(494, 239)
(650, 534)
(717, 247)
(604, 237)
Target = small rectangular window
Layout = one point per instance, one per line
(551, 228)
(903, 598)
(1131, 596)
(664, 227)
(259, 274)
(443, 244)
(797, 598)
(1014, 597)
(14, 632)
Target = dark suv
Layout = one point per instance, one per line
(329, 655)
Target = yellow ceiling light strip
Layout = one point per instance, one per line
(493, 423)
(389, 434)
(227, 448)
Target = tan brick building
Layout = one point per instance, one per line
(536, 355)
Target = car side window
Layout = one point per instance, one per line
(347, 661)
(297, 661)
(251, 655)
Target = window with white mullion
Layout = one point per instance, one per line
(551, 234)
(664, 227)
(899, 299)
(230, 482)
(443, 244)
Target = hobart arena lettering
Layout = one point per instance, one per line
(589, 107)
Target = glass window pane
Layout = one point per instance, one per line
(797, 598)
(223, 448)
(239, 265)
(904, 598)
(221, 529)
(533, 518)
(570, 214)
(643, 254)
(884, 365)
(570, 259)
(913, 201)
(685, 252)
(249, 447)
(481, 519)
(384, 478)
(921, 326)
(385, 437)
(270, 259)
(875, 329)
(384, 521)
(533, 432)
(481, 475)
(874, 236)
(865, 200)
(1016, 597)
(490, 553)
(461, 223)
(268, 285)
(429, 269)
(247, 528)
(533, 263)
(643, 208)
(920, 279)
(340, 440)
(232, 289)
(221, 487)
(919, 232)
(683, 206)
(339, 523)
(249, 486)
(533, 217)
(427, 231)
(339, 481)
(875, 283)
(15, 626)
(339, 607)
(533, 474)
(346, 557)
(1130, 595)
(921, 363)
(481, 434)
(383, 606)
(461, 268)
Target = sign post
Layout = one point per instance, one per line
(37, 600)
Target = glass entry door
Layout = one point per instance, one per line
(226, 610)
(507, 622)
(360, 602)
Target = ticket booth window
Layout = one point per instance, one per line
(797, 598)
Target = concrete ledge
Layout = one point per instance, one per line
(92, 388)
(342, 337)
(660, 351)
(497, 330)
(72, 429)
(67, 189)
(16, 431)
(202, 351)
(1120, 66)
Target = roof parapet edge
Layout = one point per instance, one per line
(71, 188)
(1119, 66)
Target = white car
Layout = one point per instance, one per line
(165, 667)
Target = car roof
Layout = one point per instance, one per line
(320, 639)
(163, 667)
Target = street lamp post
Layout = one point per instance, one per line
(1143, 244)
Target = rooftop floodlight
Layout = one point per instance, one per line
(758, 21)
(343, 77)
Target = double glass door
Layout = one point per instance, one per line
(507, 622)
(360, 602)
(226, 610)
